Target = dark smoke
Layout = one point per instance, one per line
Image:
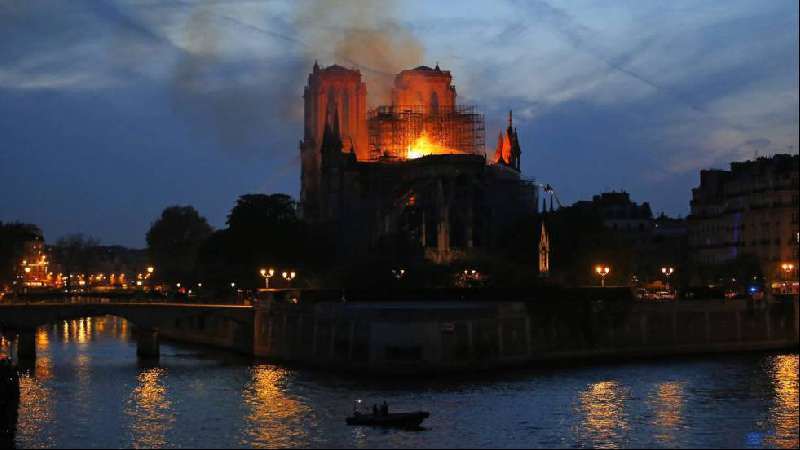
(242, 100)
(360, 34)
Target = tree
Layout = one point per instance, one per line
(277, 211)
(174, 240)
(579, 241)
(265, 230)
(13, 237)
(75, 253)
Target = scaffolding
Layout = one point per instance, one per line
(394, 129)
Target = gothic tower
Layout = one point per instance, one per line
(508, 151)
(334, 91)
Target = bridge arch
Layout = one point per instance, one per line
(147, 318)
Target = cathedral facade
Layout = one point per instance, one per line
(414, 172)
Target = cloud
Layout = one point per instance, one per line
(631, 94)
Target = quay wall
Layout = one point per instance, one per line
(210, 330)
(414, 337)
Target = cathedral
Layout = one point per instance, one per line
(415, 171)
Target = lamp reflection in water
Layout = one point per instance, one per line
(77, 331)
(150, 410)
(36, 416)
(783, 413)
(274, 419)
(667, 403)
(602, 413)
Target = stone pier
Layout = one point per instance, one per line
(26, 345)
(147, 346)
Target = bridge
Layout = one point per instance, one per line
(147, 317)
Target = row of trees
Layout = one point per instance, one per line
(263, 230)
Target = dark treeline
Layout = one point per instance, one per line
(266, 231)
(263, 231)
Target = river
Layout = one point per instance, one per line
(88, 390)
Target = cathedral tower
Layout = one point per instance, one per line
(334, 91)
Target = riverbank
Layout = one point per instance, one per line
(410, 338)
(88, 389)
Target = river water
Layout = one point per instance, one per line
(88, 390)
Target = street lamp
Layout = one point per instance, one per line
(602, 270)
(288, 276)
(471, 274)
(667, 271)
(267, 274)
(787, 269)
(399, 273)
(149, 276)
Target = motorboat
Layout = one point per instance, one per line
(381, 417)
(400, 420)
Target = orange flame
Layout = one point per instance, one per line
(423, 146)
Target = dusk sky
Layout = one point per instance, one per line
(112, 110)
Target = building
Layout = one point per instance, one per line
(414, 171)
(630, 220)
(34, 267)
(619, 213)
(749, 211)
(652, 243)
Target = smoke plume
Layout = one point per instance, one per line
(245, 95)
(245, 98)
(364, 35)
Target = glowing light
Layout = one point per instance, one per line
(423, 146)
(783, 413)
(273, 417)
(151, 410)
(602, 406)
(602, 270)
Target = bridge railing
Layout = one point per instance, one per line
(95, 299)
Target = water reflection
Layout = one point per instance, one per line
(35, 420)
(91, 390)
(5, 345)
(274, 419)
(83, 390)
(668, 402)
(77, 331)
(783, 370)
(42, 339)
(603, 422)
(151, 410)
